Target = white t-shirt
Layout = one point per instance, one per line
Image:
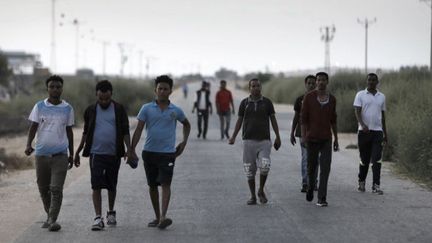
(52, 121)
(202, 105)
(371, 109)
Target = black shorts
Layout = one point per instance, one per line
(159, 167)
(104, 171)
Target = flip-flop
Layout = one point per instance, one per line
(165, 223)
(251, 201)
(262, 198)
(153, 223)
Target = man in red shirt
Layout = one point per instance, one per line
(223, 101)
(318, 124)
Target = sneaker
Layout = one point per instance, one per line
(54, 227)
(98, 224)
(322, 202)
(111, 218)
(362, 186)
(304, 188)
(309, 195)
(376, 189)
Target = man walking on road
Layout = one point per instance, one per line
(370, 107)
(106, 132)
(318, 120)
(254, 114)
(223, 101)
(52, 119)
(310, 84)
(160, 119)
(203, 107)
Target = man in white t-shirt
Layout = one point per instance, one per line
(203, 107)
(52, 120)
(369, 107)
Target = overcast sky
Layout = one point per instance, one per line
(183, 36)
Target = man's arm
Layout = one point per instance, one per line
(232, 103)
(236, 130)
(294, 125)
(31, 134)
(78, 151)
(335, 142)
(358, 115)
(275, 126)
(385, 138)
(69, 134)
(135, 139)
(186, 131)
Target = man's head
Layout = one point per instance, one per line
(204, 85)
(322, 80)
(163, 87)
(310, 82)
(372, 81)
(54, 86)
(223, 84)
(104, 92)
(255, 87)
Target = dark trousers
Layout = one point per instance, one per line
(225, 118)
(370, 147)
(319, 152)
(202, 115)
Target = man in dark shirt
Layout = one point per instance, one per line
(106, 132)
(203, 107)
(254, 114)
(310, 84)
(318, 120)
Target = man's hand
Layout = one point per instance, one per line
(365, 128)
(231, 140)
(277, 144)
(77, 160)
(71, 160)
(385, 141)
(180, 148)
(29, 150)
(336, 145)
(293, 140)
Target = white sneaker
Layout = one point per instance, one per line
(98, 224)
(111, 218)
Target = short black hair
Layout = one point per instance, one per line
(372, 74)
(309, 76)
(164, 79)
(322, 74)
(253, 80)
(55, 78)
(104, 86)
(223, 81)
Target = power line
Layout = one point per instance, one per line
(366, 24)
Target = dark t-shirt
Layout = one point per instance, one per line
(297, 108)
(256, 118)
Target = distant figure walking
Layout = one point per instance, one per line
(310, 84)
(318, 121)
(255, 114)
(52, 119)
(204, 108)
(370, 109)
(223, 102)
(105, 135)
(159, 153)
(185, 90)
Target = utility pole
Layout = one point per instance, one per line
(104, 45)
(77, 36)
(429, 3)
(327, 36)
(140, 63)
(53, 39)
(366, 24)
(123, 58)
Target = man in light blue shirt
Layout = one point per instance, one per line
(159, 153)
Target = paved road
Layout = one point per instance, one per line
(210, 193)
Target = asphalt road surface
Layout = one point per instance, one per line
(209, 194)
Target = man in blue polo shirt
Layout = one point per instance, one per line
(160, 120)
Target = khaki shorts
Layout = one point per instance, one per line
(256, 154)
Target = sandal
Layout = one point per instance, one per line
(153, 223)
(251, 201)
(165, 223)
(262, 198)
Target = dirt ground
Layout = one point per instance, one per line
(19, 197)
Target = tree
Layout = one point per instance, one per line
(224, 73)
(5, 72)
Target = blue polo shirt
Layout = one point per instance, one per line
(160, 126)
